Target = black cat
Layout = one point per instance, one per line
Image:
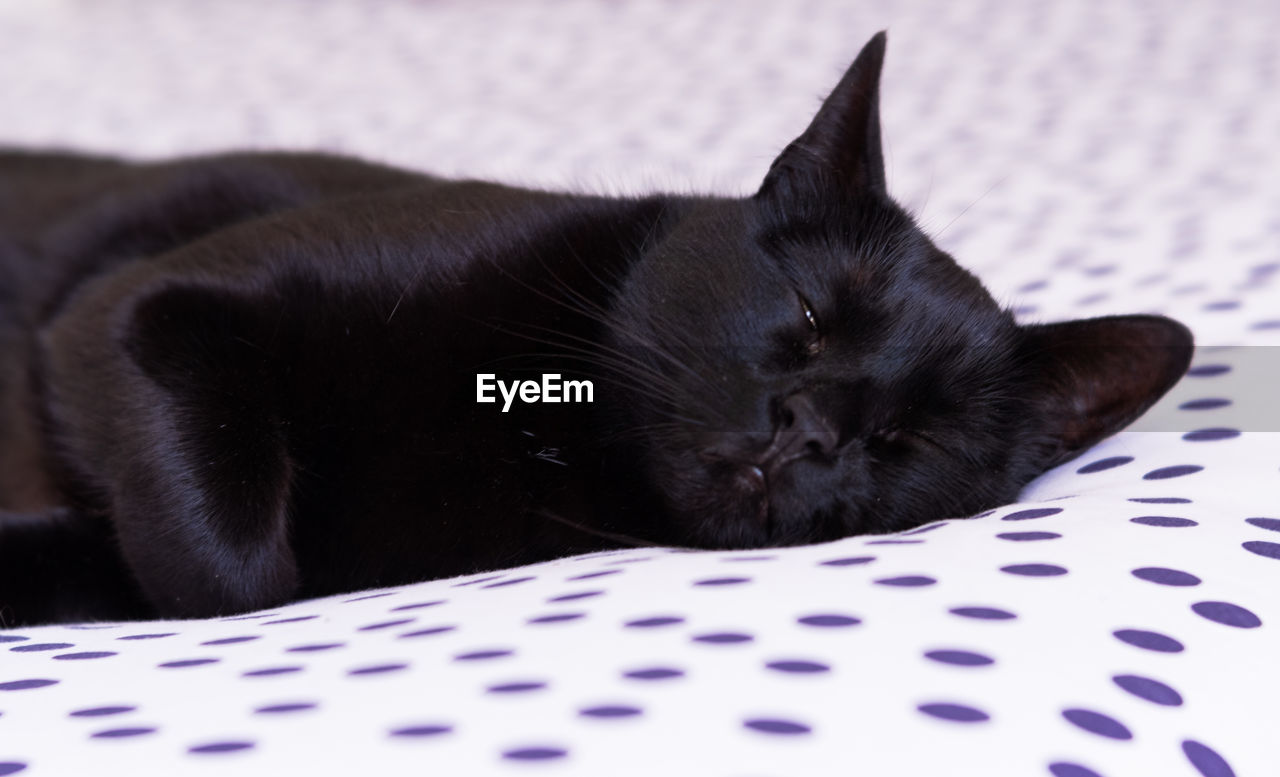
(235, 381)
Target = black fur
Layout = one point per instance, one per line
(234, 381)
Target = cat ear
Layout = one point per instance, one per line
(1094, 377)
(842, 144)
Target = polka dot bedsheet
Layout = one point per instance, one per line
(1084, 158)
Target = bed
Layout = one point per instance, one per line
(1087, 158)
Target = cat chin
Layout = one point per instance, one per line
(742, 513)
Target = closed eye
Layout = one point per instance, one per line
(898, 435)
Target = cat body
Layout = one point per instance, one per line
(234, 381)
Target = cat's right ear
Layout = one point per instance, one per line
(841, 147)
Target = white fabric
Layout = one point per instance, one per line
(1083, 158)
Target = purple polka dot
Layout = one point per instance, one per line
(1267, 549)
(12, 638)
(928, 528)
(732, 559)
(271, 671)
(1221, 305)
(1097, 723)
(907, 581)
(1227, 614)
(316, 648)
(1167, 521)
(1270, 524)
(1151, 690)
(520, 687)
(1066, 769)
(654, 673)
(827, 621)
(366, 597)
(148, 636)
(1160, 500)
(483, 655)
(559, 617)
(849, 561)
(1165, 576)
(386, 624)
(11, 767)
(84, 656)
(1104, 464)
(1176, 471)
(475, 581)
(123, 733)
(777, 726)
(214, 748)
(417, 606)
(1260, 326)
(186, 663)
(297, 619)
(26, 685)
(1206, 761)
(1209, 370)
(573, 597)
(1149, 640)
(983, 613)
(229, 640)
(1034, 570)
(1209, 435)
(610, 711)
(959, 658)
(535, 753)
(650, 623)
(1028, 536)
(97, 712)
(427, 632)
(720, 581)
(280, 709)
(505, 583)
(600, 573)
(40, 647)
(1027, 515)
(376, 669)
(723, 638)
(1207, 403)
(798, 667)
(959, 713)
(421, 731)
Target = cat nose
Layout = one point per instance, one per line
(803, 429)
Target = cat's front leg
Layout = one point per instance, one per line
(165, 411)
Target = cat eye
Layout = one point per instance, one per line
(898, 435)
(808, 312)
(814, 343)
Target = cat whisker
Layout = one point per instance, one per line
(990, 189)
(622, 539)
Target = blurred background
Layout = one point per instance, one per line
(1066, 151)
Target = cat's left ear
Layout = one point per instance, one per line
(1093, 377)
(841, 147)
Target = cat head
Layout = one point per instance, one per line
(809, 365)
